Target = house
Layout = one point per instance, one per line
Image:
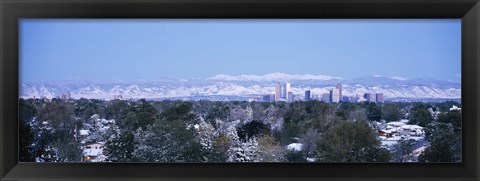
(385, 133)
(92, 151)
(413, 130)
(84, 133)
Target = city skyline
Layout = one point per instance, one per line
(128, 50)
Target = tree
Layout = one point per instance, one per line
(26, 113)
(453, 117)
(54, 133)
(67, 150)
(269, 150)
(374, 113)
(351, 142)
(172, 138)
(358, 114)
(218, 153)
(309, 141)
(391, 112)
(252, 129)
(445, 144)
(296, 156)
(420, 116)
(401, 152)
(120, 147)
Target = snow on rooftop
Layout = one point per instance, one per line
(455, 108)
(311, 159)
(411, 127)
(395, 123)
(92, 152)
(84, 132)
(295, 147)
(416, 138)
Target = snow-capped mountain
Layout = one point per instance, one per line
(248, 85)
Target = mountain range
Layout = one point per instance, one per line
(245, 86)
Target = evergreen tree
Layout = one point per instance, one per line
(391, 112)
(351, 142)
(26, 113)
(401, 152)
(420, 115)
(374, 113)
(445, 144)
(269, 150)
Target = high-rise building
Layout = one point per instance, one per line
(278, 91)
(266, 98)
(339, 87)
(269, 97)
(326, 97)
(290, 97)
(285, 90)
(308, 95)
(379, 97)
(367, 96)
(373, 98)
(335, 95)
(345, 99)
(63, 97)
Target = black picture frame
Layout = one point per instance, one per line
(12, 10)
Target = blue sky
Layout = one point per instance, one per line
(127, 50)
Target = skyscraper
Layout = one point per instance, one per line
(339, 87)
(286, 89)
(326, 97)
(290, 97)
(367, 96)
(373, 98)
(379, 97)
(308, 95)
(335, 95)
(278, 91)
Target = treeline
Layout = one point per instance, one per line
(208, 131)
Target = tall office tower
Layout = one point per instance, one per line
(308, 95)
(335, 95)
(339, 87)
(379, 97)
(373, 98)
(63, 97)
(266, 98)
(286, 89)
(290, 97)
(278, 91)
(326, 97)
(367, 96)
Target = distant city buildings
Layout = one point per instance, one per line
(339, 87)
(286, 90)
(308, 95)
(379, 97)
(269, 98)
(326, 97)
(66, 96)
(278, 91)
(290, 97)
(335, 95)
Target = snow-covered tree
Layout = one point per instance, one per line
(269, 150)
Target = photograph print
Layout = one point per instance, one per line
(234, 90)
